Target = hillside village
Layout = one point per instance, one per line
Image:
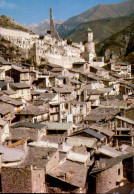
(66, 118)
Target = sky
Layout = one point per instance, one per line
(35, 11)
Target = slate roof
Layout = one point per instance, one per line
(81, 141)
(19, 133)
(33, 110)
(101, 113)
(47, 96)
(125, 189)
(109, 151)
(11, 101)
(131, 85)
(1, 71)
(28, 125)
(77, 157)
(4, 109)
(103, 130)
(75, 173)
(2, 122)
(11, 154)
(37, 156)
(58, 126)
(63, 90)
(108, 163)
(94, 133)
(125, 119)
(9, 92)
(4, 62)
(59, 69)
(53, 138)
(20, 85)
(79, 63)
(2, 84)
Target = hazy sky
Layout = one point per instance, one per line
(35, 11)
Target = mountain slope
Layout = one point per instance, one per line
(10, 51)
(102, 28)
(8, 22)
(42, 28)
(118, 45)
(98, 12)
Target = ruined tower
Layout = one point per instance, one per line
(53, 30)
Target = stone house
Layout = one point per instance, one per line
(98, 62)
(11, 156)
(65, 92)
(100, 72)
(28, 77)
(60, 128)
(82, 66)
(54, 111)
(105, 129)
(20, 131)
(108, 174)
(17, 105)
(27, 179)
(4, 130)
(68, 176)
(31, 172)
(4, 64)
(7, 112)
(101, 114)
(69, 74)
(124, 132)
(45, 81)
(90, 144)
(91, 133)
(122, 68)
(22, 89)
(3, 85)
(2, 74)
(74, 111)
(34, 114)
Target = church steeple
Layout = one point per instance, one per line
(53, 30)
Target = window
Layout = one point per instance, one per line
(119, 171)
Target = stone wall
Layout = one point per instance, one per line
(128, 169)
(22, 180)
(64, 61)
(16, 33)
(53, 162)
(15, 180)
(107, 179)
(38, 180)
(56, 52)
